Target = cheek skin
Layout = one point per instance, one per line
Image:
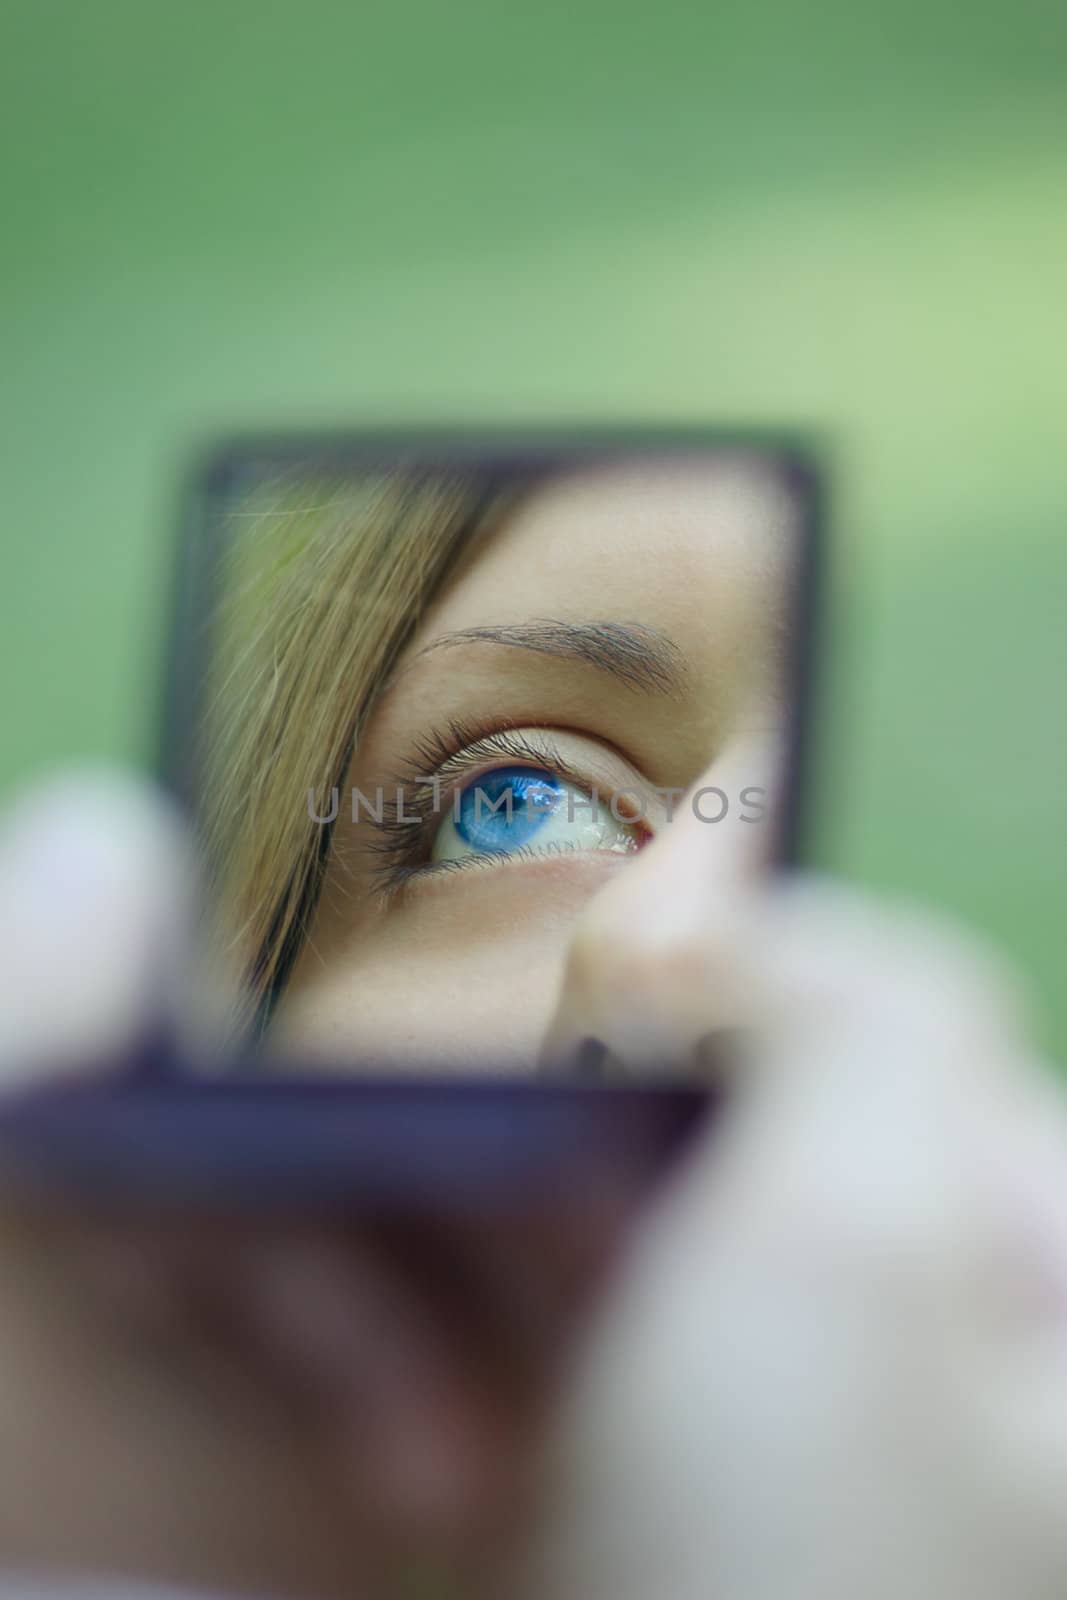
(464, 972)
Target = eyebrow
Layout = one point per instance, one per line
(638, 656)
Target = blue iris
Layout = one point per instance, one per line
(504, 809)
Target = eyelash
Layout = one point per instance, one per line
(405, 831)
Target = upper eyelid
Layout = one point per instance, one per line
(416, 791)
(460, 762)
(484, 753)
(469, 748)
(532, 746)
(428, 754)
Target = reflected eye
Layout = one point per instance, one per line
(531, 809)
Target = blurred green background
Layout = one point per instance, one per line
(229, 214)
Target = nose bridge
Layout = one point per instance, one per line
(716, 839)
(647, 971)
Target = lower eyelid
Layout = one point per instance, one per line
(523, 856)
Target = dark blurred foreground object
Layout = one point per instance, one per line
(301, 1340)
(292, 1140)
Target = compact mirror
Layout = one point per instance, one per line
(461, 720)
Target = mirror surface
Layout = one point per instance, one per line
(477, 731)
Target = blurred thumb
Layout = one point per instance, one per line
(97, 899)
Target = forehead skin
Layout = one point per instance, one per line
(695, 549)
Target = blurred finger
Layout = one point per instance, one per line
(803, 1313)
